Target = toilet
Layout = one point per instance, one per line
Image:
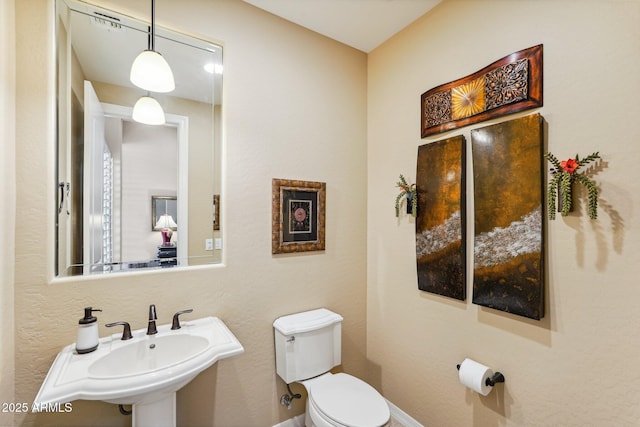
(308, 345)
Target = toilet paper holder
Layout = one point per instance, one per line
(495, 378)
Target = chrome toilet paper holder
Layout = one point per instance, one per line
(495, 378)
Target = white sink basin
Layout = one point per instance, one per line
(147, 355)
(145, 369)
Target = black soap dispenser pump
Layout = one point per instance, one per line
(87, 340)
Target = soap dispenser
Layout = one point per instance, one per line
(87, 340)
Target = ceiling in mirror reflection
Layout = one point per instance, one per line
(95, 32)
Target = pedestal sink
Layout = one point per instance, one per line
(145, 371)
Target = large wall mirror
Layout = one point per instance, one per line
(111, 170)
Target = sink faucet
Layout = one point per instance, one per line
(151, 329)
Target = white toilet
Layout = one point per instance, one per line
(308, 345)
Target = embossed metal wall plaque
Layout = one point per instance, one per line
(509, 85)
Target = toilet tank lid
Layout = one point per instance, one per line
(306, 321)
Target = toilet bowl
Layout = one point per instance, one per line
(342, 400)
(308, 345)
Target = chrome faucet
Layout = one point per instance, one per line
(151, 329)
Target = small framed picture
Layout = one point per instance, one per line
(164, 212)
(216, 212)
(298, 216)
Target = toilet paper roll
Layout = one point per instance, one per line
(474, 375)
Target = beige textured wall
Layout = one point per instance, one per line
(7, 212)
(578, 365)
(288, 113)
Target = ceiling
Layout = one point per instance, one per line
(106, 44)
(362, 24)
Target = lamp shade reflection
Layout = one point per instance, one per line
(165, 223)
(148, 111)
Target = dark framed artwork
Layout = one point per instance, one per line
(509, 85)
(440, 223)
(164, 206)
(508, 246)
(216, 212)
(298, 216)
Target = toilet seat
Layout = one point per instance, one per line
(347, 401)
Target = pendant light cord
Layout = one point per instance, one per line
(153, 25)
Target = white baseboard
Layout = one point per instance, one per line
(292, 422)
(396, 413)
(402, 417)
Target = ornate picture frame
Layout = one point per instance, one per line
(298, 216)
(216, 212)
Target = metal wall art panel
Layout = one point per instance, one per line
(508, 247)
(509, 85)
(440, 224)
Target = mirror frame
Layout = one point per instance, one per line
(67, 271)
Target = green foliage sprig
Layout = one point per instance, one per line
(565, 173)
(409, 191)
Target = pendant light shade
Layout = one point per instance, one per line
(148, 111)
(150, 71)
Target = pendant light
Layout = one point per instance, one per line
(150, 71)
(148, 111)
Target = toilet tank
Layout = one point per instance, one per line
(307, 344)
